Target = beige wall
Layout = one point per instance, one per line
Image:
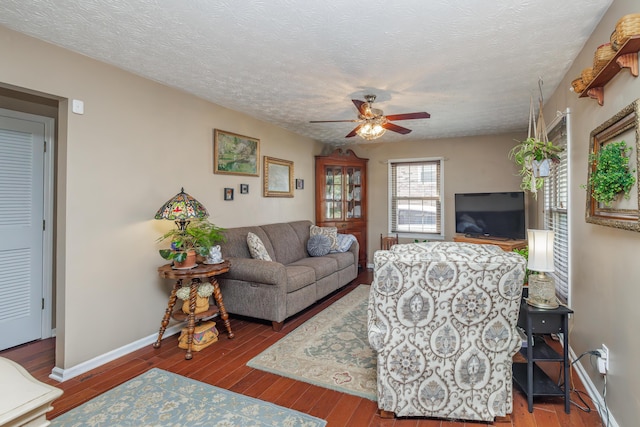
(604, 260)
(139, 142)
(471, 165)
(136, 145)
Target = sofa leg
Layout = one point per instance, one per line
(386, 414)
(277, 326)
(502, 420)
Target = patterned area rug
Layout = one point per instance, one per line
(161, 398)
(329, 350)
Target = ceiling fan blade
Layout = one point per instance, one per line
(362, 106)
(333, 121)
(409, 116)
(396, 128)
(353, 132)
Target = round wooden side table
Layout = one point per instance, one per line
(195, 276)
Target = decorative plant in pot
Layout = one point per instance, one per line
(525, 253)
(535, 153)
(534, 156)
(197, 238)
(611, 176)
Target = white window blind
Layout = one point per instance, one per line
(415, 194)
(556, 209)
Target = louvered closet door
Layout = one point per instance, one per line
(21, 234)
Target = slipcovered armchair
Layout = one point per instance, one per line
(442, 319)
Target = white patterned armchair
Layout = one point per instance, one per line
(442, 319)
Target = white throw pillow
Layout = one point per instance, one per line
(256, 248)
(330, 232)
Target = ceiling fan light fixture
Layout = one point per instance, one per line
(373, 122)
(372, 129)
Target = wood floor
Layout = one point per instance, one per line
(224, 365)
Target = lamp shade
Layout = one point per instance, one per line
(540, 250)
(182, 207)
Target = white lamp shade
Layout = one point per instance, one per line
(540, 250)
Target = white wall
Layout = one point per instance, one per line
(604, 260)
(135, 146)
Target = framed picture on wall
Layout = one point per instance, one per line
(616, 145)
(278, 177)
(244, 188)
(228, 193)
(235, 154)
(299, 184)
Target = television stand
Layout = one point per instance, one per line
(505, 244)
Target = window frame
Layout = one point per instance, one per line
(390, 192)
(556, 217)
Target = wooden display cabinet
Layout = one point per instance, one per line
(341, 196)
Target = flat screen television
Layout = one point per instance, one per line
(491, 215)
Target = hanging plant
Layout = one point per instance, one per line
(535, 153)
(611, 175)
(525, 153)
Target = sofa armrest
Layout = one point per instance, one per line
(259, 271)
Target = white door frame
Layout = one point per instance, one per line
(48, 203)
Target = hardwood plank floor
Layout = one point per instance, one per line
(223, 364)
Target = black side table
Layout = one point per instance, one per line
(529, 377)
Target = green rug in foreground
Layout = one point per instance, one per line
(161, 398)
(330, 350)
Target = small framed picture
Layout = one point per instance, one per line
(228, 193)
(244, 188)
(278, 177)
(299, 184)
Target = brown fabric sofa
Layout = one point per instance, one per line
(275, 290)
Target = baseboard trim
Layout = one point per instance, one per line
(62, 375)
(607, 419)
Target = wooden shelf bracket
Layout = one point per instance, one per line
(625, 57)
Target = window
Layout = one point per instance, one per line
(556, 208)
(415, 196)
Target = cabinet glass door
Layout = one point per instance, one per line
(333, 192)
(353, 189)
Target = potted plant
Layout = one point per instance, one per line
(197, 238)
(610, 175)
(534, 156)
(525, 253)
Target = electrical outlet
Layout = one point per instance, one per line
(603, 360)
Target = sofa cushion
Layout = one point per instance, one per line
(344, 259)
(236, 244)
(256, 247)
(322, 266)
(330, 232)
(318, 245)
(344, 242)
(287, 245)
(299, 276)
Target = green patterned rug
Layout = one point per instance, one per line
(330, 350)
(161, 398)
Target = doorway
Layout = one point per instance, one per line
(26, 226)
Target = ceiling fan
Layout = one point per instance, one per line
(373, 124)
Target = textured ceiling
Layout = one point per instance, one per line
(472, 64)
